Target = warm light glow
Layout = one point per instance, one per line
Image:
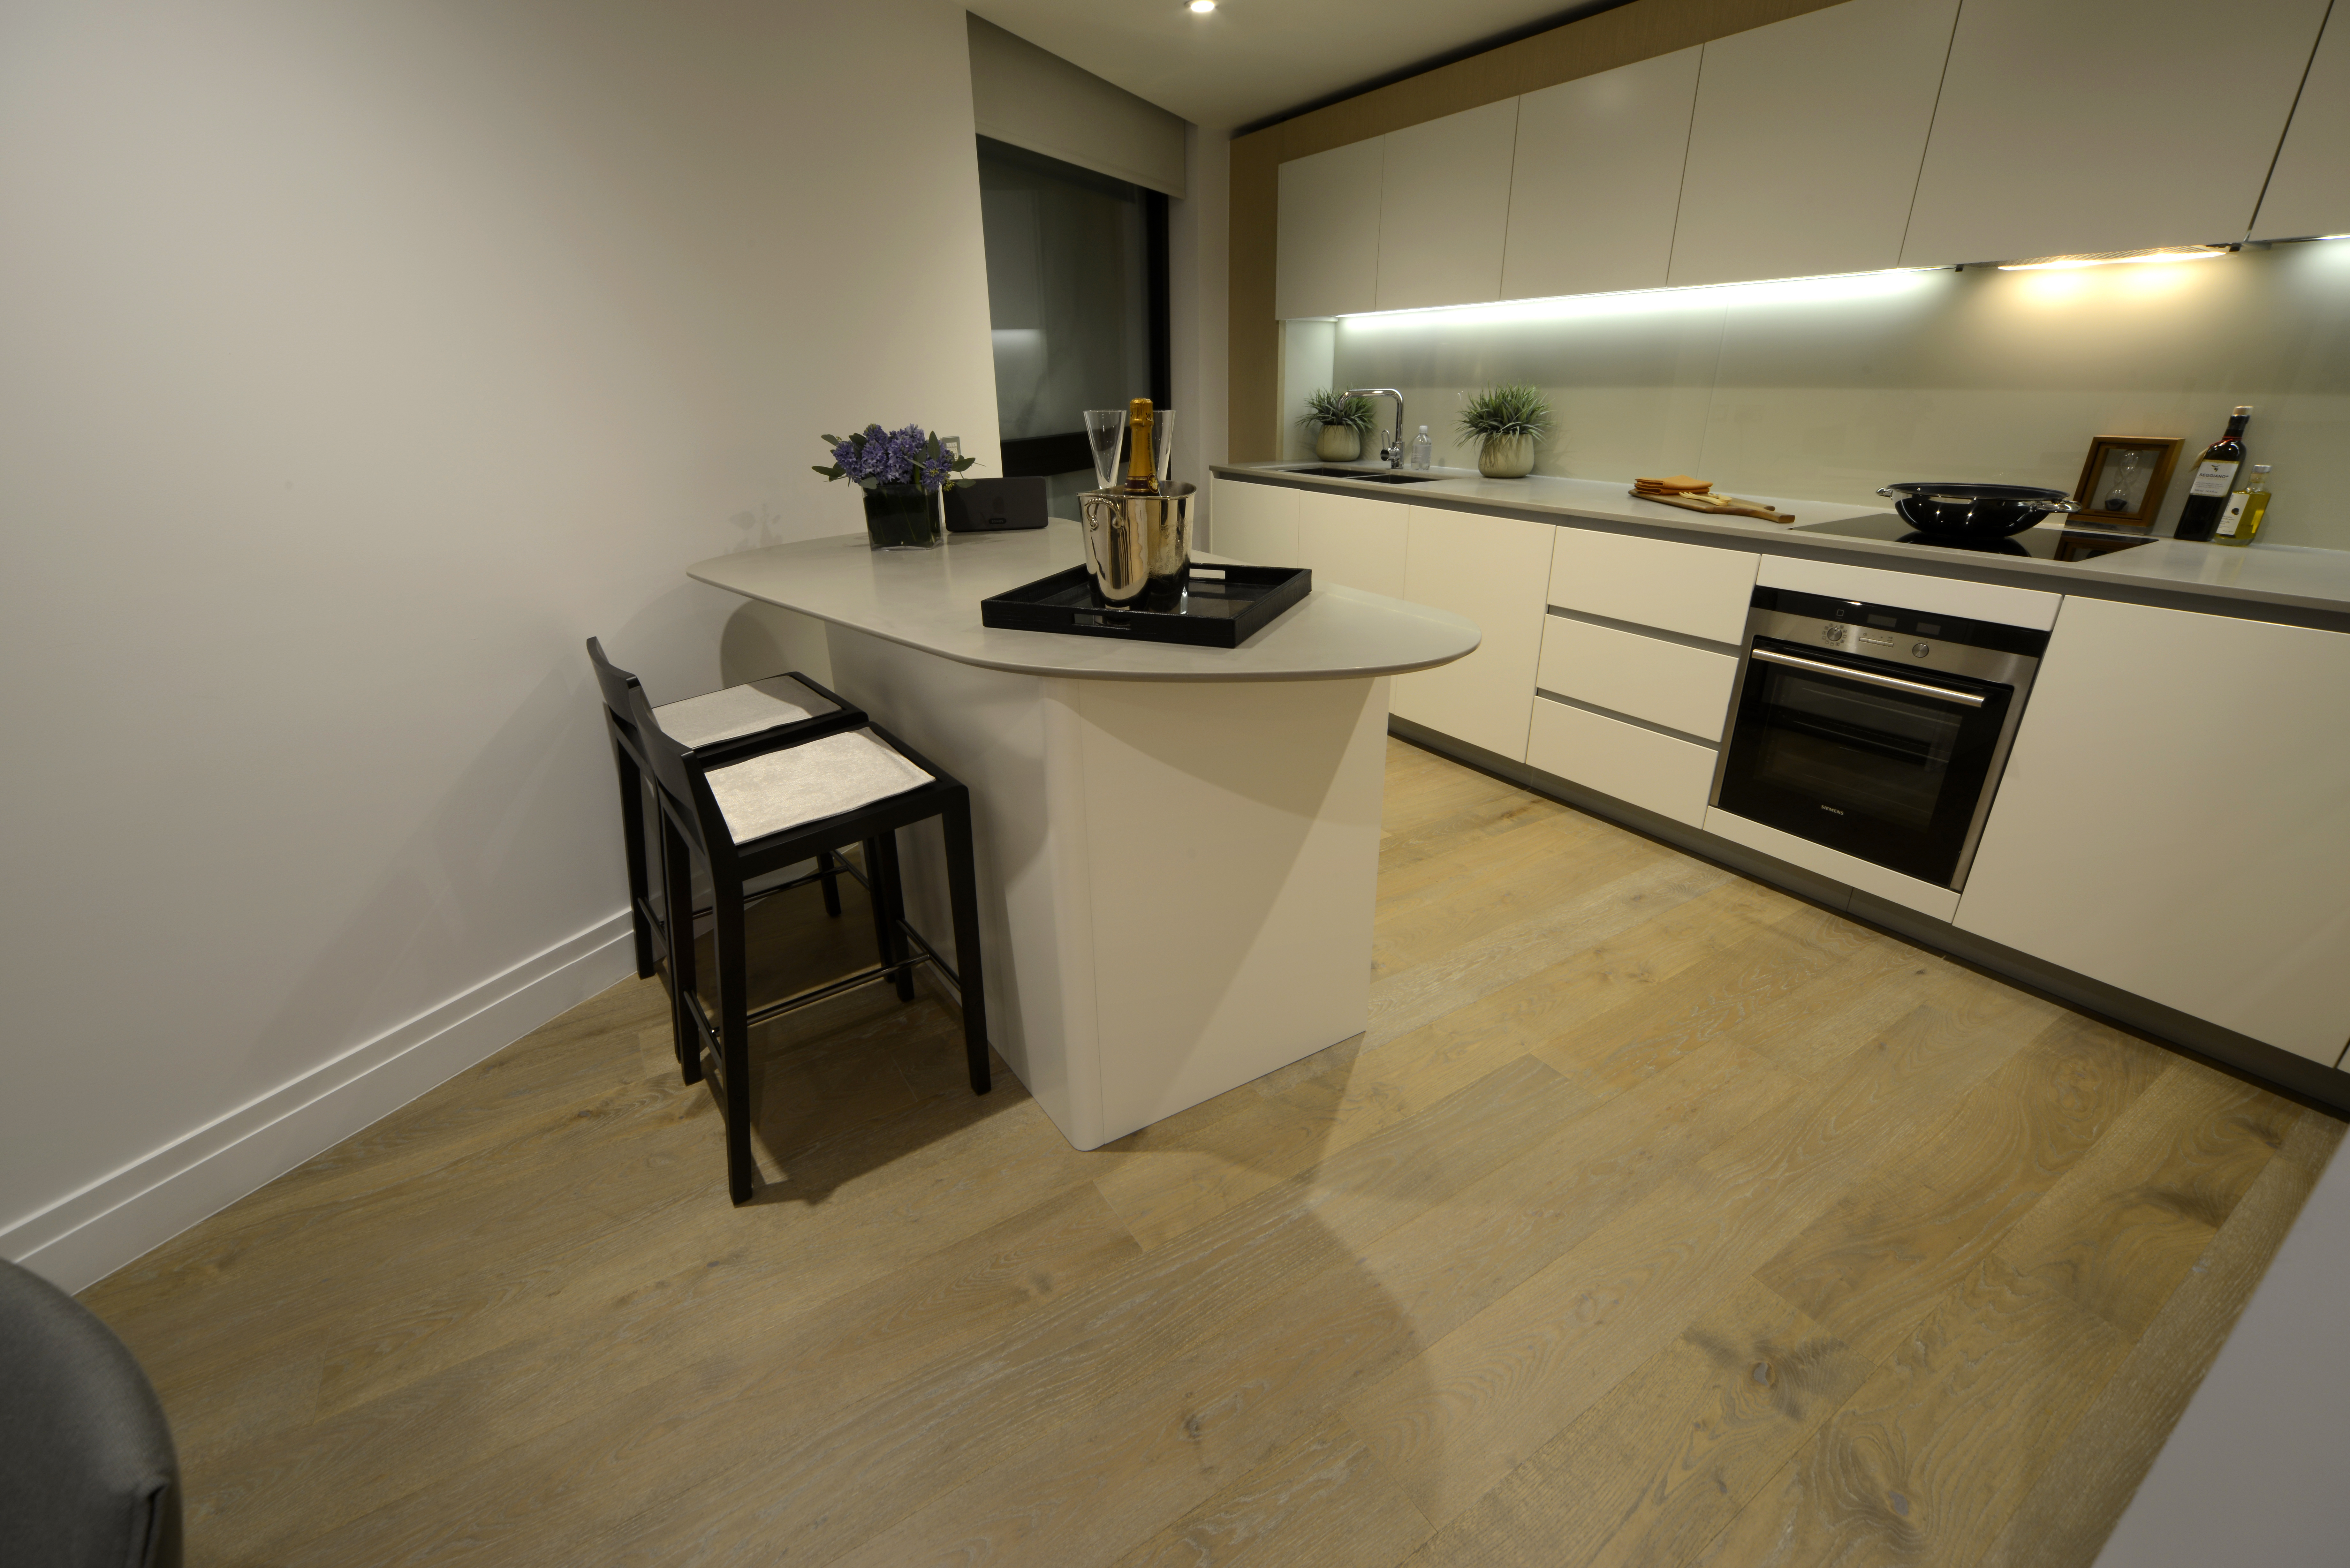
(2072, 263)
(1634, 301)
(1201, 8)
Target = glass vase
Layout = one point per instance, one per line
(903, 517)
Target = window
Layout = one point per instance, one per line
(1077, 297)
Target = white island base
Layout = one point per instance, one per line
(1176, 876)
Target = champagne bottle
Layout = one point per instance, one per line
(2246, 507)
(1141, 471)
(2215, 477)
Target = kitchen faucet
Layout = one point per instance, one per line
(1393, 450)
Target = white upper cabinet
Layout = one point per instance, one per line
(2309, 193)
(1327, 243)
(1444, 205)
(1805, 148)
(2070, 126)
(1597, 180)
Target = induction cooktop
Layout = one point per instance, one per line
(2073, 543)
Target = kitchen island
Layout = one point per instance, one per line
(1178, 847)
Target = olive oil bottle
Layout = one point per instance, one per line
(2245, 509)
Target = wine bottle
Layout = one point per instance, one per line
(2215, 477)
(1141, 471)
(2246, 507)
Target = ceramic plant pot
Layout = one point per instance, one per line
(903, 517)
(1338, 443)
(1506, 457)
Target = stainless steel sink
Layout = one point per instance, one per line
(1368, 475)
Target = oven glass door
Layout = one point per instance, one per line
(1879, 762)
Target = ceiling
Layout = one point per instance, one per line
(1251, 60)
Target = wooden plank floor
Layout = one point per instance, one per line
(1660, 1218)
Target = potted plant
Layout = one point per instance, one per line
(903, 474)
(1342, 419)
(1506, 423)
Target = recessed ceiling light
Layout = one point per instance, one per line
(1201, 8)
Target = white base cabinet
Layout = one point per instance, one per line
(2175, 820)
(1254, 523)
(1350, 542)
(1492, 570)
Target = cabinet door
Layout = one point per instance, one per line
(1804, 152)
(2175, 820)
(1693, 589)
(1444, 204)
(1256, 523)
(1490, 569)
(1597, 180)
(1326, 238)
(2309, 193)
(1352, 541)
(2071, 127)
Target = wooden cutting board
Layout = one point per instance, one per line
(1720, 505)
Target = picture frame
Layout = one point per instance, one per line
(2124, 480)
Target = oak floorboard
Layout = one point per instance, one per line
(1926, 1460)
(2078, 1496)
(1871, 1266)
(1653, 1472)
(1489, 1283)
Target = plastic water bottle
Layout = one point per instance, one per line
(1422, 449)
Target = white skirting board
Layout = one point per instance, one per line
(82, 1239)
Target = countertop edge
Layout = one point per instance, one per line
(2224, 598)
(1009, 667)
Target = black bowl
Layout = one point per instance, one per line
(1973, 511)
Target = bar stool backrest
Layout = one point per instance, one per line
(684, 785)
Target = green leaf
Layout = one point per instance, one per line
(830, 441)
(834, 471)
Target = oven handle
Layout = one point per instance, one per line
(1868, 678)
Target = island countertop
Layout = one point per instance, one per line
(929, 600)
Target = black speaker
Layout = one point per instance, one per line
(988, 505)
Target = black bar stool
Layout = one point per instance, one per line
(748, 817)
(735, 722)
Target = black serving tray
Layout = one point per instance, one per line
(1222, 608)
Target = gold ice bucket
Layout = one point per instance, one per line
(1138, 547)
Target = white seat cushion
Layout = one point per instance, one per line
(740, 711)
(776, 790)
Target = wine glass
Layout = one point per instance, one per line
(1105, 428)
(1162, 441)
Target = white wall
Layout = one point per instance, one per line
(356, 363)
(1824, 390)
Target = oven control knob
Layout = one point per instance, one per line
(1921, 649)
(1831, 633)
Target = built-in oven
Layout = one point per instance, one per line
(1872, 730)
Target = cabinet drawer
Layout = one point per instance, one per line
(1686, 588)
(1669, 683)
(1667, 776)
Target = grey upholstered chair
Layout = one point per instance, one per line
(87, 1472)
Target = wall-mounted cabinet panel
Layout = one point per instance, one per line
(2079, 126)
(1350, 542)
(2209, 874)
(1597, 179)
(1491, 570)
(1444, 206)
(1328, 258)
(1670, 683)
(1693, 589)
(1253, 523)
(1804, 153)
(2309, 193)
